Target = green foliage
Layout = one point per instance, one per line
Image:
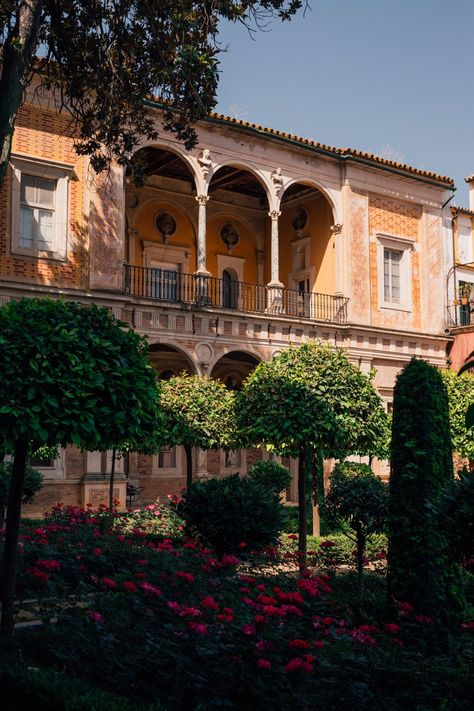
(270, 475)
(457, 516)
(198, 412)
(170, 50)
(31, 485)
(50, 690)
(419, 557)
(71, 374)
(232, 515)
(357, 501)
(312, 394)
(460, 390)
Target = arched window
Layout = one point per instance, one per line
(230, 289)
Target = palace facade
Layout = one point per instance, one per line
(228, 253)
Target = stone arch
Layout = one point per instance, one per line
(169, 358)
(233, 367)
(307, 246)
(162, 146)
(240, 167)
(316, 186)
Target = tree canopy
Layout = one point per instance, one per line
(69, 374)
(308, 399)
(105, 60)
(198, 413)
(313, 394)
(460, 390)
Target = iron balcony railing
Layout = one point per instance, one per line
(460, 315)
(207, 291)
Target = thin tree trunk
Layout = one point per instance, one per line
(189, 465)
(18, 53)
(111, 482)
(12, 531)
(317, 475)
(302, 522)
(360, 562)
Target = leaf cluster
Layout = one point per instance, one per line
(71, 374)
(106, 60)
(198, 412)
(32, 484)
(358, 499)
(312, 394)
(460, 390)
(232, 515)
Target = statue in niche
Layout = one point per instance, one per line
(229, 236)
(166, 224)
(277, 181)
(300, 220)
(205, 162)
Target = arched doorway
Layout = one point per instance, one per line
(161, 226)
(307, 248)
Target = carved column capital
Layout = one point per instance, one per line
(337, 228)
(202, 199)
(205, 162)
(274, 214)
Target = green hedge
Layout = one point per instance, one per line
(29, 689)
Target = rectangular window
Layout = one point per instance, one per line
(37, 207)
(391, 275)
(167, 458)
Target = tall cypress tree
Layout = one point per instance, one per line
(420, 567)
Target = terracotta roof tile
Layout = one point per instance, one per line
(341, 152)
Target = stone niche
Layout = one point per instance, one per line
(96, 491)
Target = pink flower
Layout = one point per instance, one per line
(97, 551)
(392, 628)
(293, 537)
(109, 583)
(96, 616)
(198, 627)
(297, 664)
(209, 603)
(405, 608)
(48, 565)
(129, 586)
(327, 544)
(151, 589)
(318, 644)
(248, 629)
(424, 618)
(264, 663)
(298, 644)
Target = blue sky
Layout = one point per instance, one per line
(393, 77)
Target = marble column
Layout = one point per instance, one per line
(274, 287)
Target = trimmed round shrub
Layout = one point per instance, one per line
(232, 515)
(271, 475)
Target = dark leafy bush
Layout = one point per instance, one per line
(271, 475)
(24, 688)
(31, 485)
(357, 503)
(457, 514)
(420, 559)
(232, 515)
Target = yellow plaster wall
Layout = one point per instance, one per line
(245, 249)
(404, 220)
(322, 256)
(144, 224)
(42, 133)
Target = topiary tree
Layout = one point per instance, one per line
(420, 567)
(357, 503)
(460, 389)
(32, 483)
(198, 413)
(232, 514)
(310, 399)
(271, 475)
(69, 374)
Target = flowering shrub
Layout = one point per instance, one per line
(157, 618)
